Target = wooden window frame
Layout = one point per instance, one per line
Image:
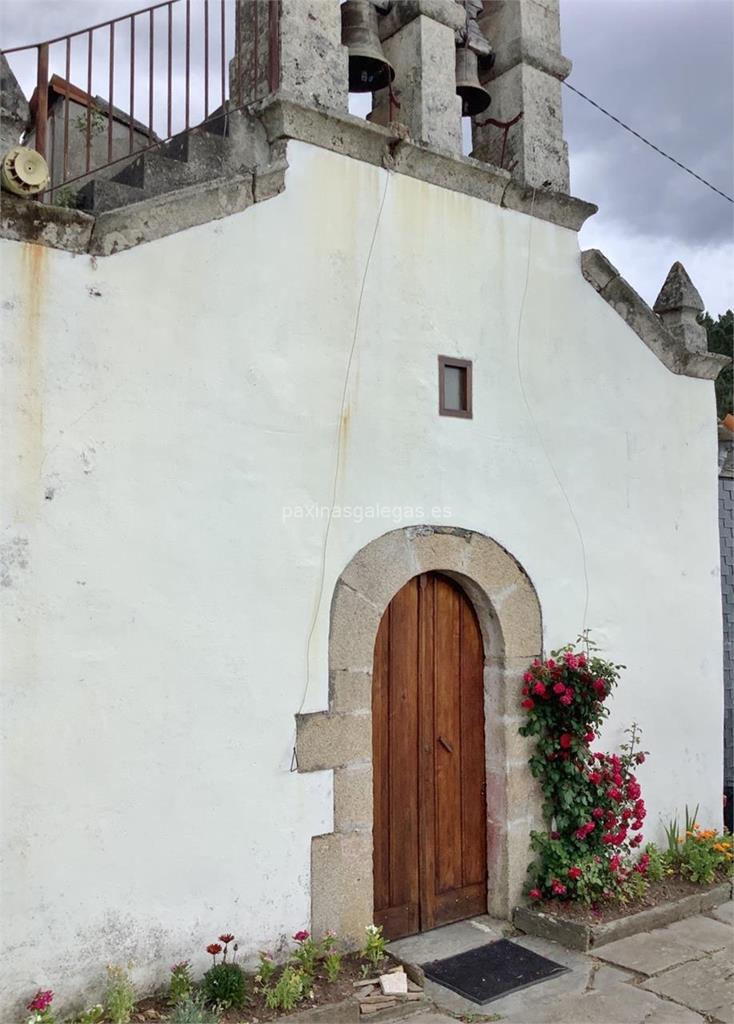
(460, 364)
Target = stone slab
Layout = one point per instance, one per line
(621, 1004)
(701, 932)
(706, 986)
(724, 913)
(581, 972)
(643, 955)
(447, 941)
(25, 220)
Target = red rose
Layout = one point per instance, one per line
(565, 740)
(557, 888)
(598, 812)
(636, 841)
(559, 688)
(566, 698)
(590, 737)
(528, 677)
(595, 777)
(574, 873)
(615, 862)
(528, 704)
(535, 894)
(539, 689)
(640, 758)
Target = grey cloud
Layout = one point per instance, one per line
(665, 69)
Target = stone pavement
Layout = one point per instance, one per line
(680, 974)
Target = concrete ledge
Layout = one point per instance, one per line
(525, 50)
(555, 207)
(604, 277)
(24, 220)
(362, 140)
(577, 935)
(169, 213)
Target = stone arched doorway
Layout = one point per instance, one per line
(340, 739)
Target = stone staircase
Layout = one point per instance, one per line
(193, 157)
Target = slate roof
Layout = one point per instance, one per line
(726, 534)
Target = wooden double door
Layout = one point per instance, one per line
(430, 845)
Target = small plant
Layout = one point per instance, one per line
(91, 1016)
(289, 989)
(192, 1009)
(307, 952)
(373, 950)
(65, 197)
(332, 965)
(97, 122)
(40, 1009)
(265, 970)
(120, 996)
(332, 959)
(181, 984)
(224, 983)
(658, 864)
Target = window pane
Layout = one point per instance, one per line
(454, 387)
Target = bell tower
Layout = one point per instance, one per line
(526, 77)
(427, 63)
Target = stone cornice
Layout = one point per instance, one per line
(647, 325)
(524, 50)
(351, 136)
(283, 119)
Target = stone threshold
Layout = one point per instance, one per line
(584, 937)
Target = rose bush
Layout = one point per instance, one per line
(592, 801)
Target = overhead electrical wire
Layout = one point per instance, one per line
(648, 143)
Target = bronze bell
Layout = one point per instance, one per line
(474, 99)
(368, 68)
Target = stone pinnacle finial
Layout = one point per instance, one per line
(678, 292)
(678, 306)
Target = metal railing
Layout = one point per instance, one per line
(160, 71)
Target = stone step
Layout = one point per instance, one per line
(204, 150)
(156, 173)
(99, 195)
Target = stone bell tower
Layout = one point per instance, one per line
(526, 77)
(296, 48)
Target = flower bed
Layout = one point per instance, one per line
(316, 974)
(589, 870)
(578, 926)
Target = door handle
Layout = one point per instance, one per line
(445, 744)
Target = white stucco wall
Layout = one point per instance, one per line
(162, 407)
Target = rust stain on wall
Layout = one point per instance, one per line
(34, 279)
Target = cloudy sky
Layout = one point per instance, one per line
(662, 66)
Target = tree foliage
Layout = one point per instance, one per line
(720, 334)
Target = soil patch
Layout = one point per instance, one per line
(157, 1008)
(669, 889)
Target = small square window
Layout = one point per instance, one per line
(454, 387)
